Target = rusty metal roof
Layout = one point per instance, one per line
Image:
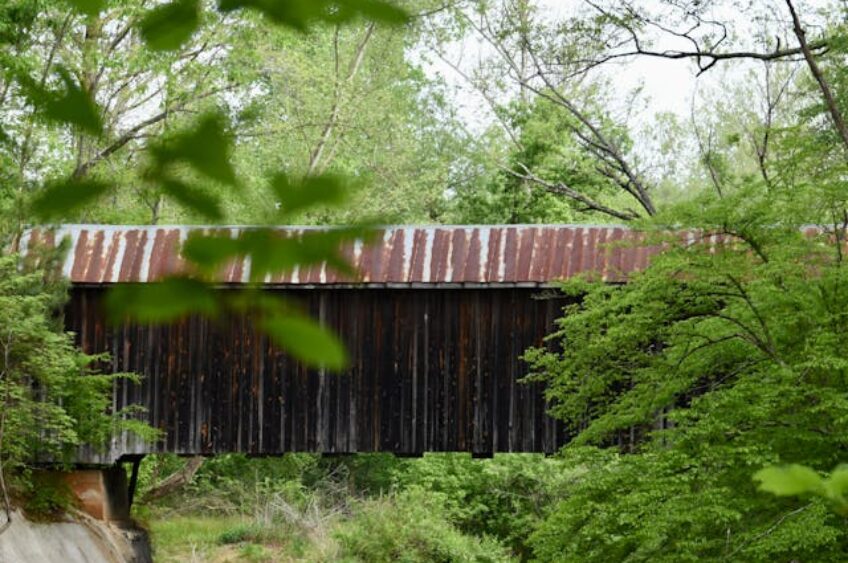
(402, 256)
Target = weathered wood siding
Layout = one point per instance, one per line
(431, 370)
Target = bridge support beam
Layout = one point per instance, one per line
(102, 493)
(136, 463)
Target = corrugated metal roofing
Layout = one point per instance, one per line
(413, 255)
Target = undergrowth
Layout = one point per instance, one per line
(444, 507)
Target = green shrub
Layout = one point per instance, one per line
(368, 474)
(46, 496)
(411, 526)
(52, 398)
(238, 534)
(505, 497)
(231, 483)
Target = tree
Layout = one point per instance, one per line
(62, 88)
(531, 55)
(530, 63)
(52, 396)
(102, 57)
(191, 165)
(354, 105)
(725, 356)
(545, 154)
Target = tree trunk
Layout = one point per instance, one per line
(175, 481)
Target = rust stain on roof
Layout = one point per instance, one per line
(413, 255)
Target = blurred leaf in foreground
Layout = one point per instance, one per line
(88, 7)
(295, 197)
(271, 250)
(206, 147)
(799, 480)
(789, 480)
(72, 106)
(194, 198)
(62, 198)
(300, 14)
(305, 339)
(168, 26)
(164, 301)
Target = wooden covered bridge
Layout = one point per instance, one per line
(435, 325)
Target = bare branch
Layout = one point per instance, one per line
(830, 101)
(706, 152)
(490, 101)
(705, 57)
(771, 529)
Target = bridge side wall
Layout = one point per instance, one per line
(430, 370)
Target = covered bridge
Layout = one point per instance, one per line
(435, 325)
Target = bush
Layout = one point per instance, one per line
(411, 526)
(46, 496)
(52, 398)
(238, 534)
(229, 484)
(505, 497)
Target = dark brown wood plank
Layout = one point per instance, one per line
(430, 369)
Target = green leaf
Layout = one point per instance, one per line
(836, 485)
(88, 7)
(208, 251)
(839, 478)
(295, 197)
(375, 10)
(789, 480)
(161, 302)
(300, 14)
(205, 147)
(73, 106)
(191, 197)
(306, 340)
(295, 13)
(168, 26)
(272, 252)
(59, 199)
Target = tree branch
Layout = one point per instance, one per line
(132, 132)
(807, 50)
(705, 58)
(561, 189)
(353, 68)
(771, 529)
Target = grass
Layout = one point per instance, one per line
(224, 539)
(181, 539)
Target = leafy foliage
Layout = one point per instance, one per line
(505, 497)
(62, 197)
(723, 357)
(183, 163)
(379, 532)
(70, 106)
(796, 480)
(547, 145)
(168, 26)
(300, 14)
(52, 397)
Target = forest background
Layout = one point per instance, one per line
(680, 387)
